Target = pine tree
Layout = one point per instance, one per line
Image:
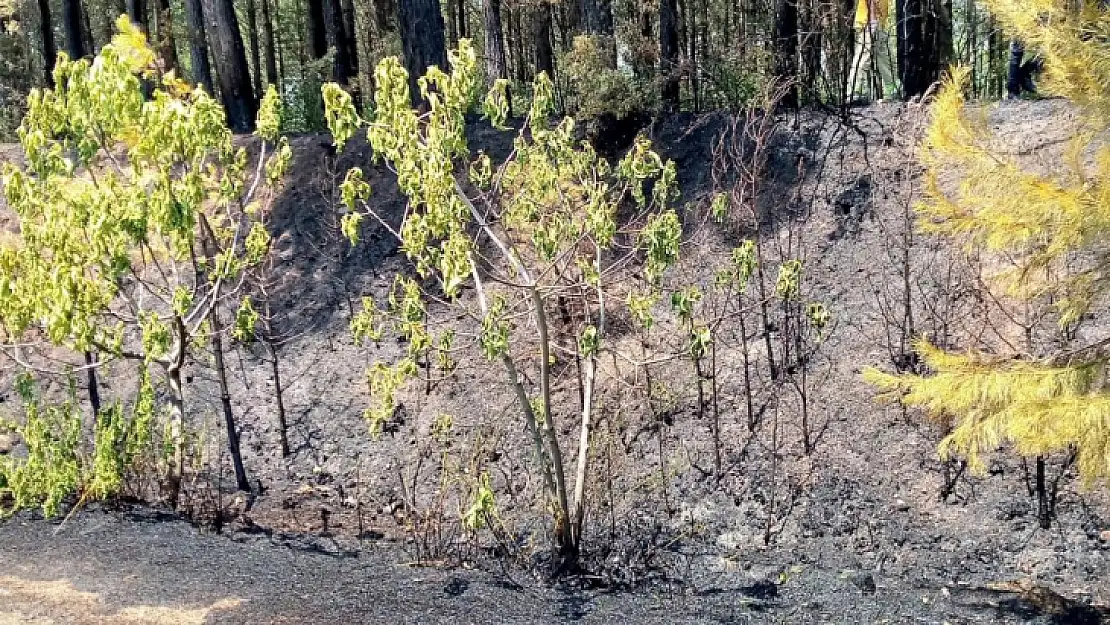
(1040, 397)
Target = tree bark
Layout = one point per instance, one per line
(914, 59)
(545, 55)
(198, 46)
(94, 386)
(71, 25)
(384, 11)
(49, 49)
(256, 52)
(350, 29)
(268, 45)
(225, 402)
(669, 53)
(231, 64)
(422, 40)
(786, 48)
(163, 27)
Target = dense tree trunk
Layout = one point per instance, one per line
(198, 46)
(46, 33)
(914, 58)
(545, 55)
(163, 27)
(786, 48)
(71, 25)
(597, 19)
(422, 39)
(338, 41)
(669, 53)
(317, 29)
(269, 49)
(256, 52)
(86, 30)
(231, 64)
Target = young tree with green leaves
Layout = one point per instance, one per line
(138, 218)
(548, 223)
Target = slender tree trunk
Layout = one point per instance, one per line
(384, 12)
(49, 50)
(270, 339)
(225, 402)
(71, 25)
(198, 46)
(268, 47)
(786, 48)
(86, 30)
(422, 40)
(669, 53)
(163, 26)
(256, 52)
(94, 386)
(545, 55)
(231, 64)
(175, 469)
(913, 55)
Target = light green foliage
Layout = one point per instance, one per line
(137, 214)
(246, 319)
(789, 279)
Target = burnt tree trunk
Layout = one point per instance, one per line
(231, 64)
(71, 25)
(669, 53)
(545, 55)
(198, 46)
(350, 29)
(317, 29)
(337, 41)
(255, 50)
(915, 60)
(786, 48)
(49, 49)
(422, 40)
(268, 46)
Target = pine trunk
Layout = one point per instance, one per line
(231, 64)
(669, 53)
(350, 29)
(198, 46)
(71, 25)
(422, 40)
(49, 49)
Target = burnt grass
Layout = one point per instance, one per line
(869, 527)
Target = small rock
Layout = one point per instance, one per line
(1104, 536)
(7, 442)
(901, 506)
(865, 582)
